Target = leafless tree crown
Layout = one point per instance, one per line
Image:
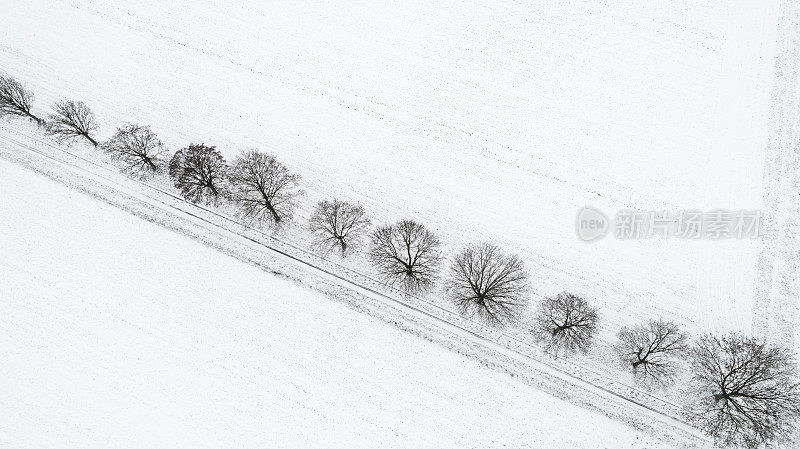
(652, 350)
(747, 392)
(486, 282)
(338, 224)
(198, 172)
(72, 119)
(566, 324)
(263, 188)
(16, 100)
(137, 148)
(406, 254)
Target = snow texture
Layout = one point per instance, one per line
(777, 296)
(482, 120)
(119, 333)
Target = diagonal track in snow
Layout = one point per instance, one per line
(637, 402)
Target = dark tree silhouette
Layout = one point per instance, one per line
(263, 188)
(72, 119)
(16, 100)
(652, 350)
(138, 150)
(198, 172)
(747, 392)
(406, 254)
(565, 324)
(486, 282)
(338, 224)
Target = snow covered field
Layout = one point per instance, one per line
(484, 120)
(119, 333)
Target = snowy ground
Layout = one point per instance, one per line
(777, 299)
(119, 333)
(485, 120)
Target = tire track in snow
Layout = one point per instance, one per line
(493, 339)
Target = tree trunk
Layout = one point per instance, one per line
(150, 163)
(274, 213)
(39, 122)
(94, 142)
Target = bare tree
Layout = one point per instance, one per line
(338, 224)
(747, 392)
(72, 119)
(198, 171)
(137, 148)
(486, 282)
(16, 100)
(566, 323)
(651, 350)
(263, 188)
(406, 254)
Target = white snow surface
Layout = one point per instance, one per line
(118, 333)
(485, 120)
